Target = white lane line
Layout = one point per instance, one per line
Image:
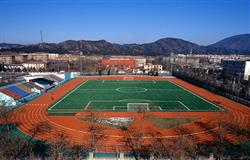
(67, 95)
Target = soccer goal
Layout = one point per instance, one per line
(133, 107)
(128, 78)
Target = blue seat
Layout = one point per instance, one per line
(18, 91)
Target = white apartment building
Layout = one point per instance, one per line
(150, 66)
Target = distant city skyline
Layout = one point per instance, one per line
(119, 21)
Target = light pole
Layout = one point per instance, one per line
(80, 63)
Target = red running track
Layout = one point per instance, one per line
(76, 131)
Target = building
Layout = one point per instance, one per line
(18, 93)
(149, 67)
(14, 67)
(35, 65)
(122, 62)
(239, 69)
(7, 59)
(140, 61)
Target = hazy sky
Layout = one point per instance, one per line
(132, 21)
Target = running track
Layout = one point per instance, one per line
(76, 131)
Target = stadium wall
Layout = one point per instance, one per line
(6, 100)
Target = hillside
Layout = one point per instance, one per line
(239, 44)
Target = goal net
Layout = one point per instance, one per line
(132, 107)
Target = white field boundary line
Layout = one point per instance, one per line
(198, 96)
(128, 100)
(67, 95)
(184, 105)
(86, 107)
(131, 88)
(131, 100)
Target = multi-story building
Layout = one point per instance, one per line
(7, 59)
(35, 65)
(140, 61)
(149, 67)
(123, 62)
(239, 69)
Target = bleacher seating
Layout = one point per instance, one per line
(34, 85)
(56, 77)
(25, 91)
(53, 78)
(18, 91)
(10, 93)
(28, 85)
(25, 88)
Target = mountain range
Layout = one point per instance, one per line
(239, 44)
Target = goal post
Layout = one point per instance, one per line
(132, 107)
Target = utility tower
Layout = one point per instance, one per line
(41, 36)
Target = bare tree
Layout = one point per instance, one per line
(135, 142)
(96, 131)
(59, 147)
(39, 129)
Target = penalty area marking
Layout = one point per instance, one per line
(67, 95)
(134, 101)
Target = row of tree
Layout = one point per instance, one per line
(214, 81)
(181, 148)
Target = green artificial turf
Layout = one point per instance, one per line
(114, 95)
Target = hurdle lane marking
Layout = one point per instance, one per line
(67, 95)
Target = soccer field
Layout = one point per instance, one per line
(131, 95)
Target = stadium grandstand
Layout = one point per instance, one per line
(22, 92)
(19, 93)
